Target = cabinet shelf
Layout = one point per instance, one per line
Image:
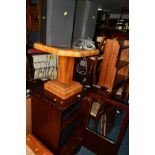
(74, 144)
(70, 119)
(121, 64)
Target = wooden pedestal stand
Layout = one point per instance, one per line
(64, 86)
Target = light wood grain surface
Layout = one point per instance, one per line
(65, 69)
(108, 69)
(63, 91)
(28, 116)
(69, 52)
(35, 147)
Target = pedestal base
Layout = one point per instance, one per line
(63, 91)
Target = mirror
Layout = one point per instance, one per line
(105, 119)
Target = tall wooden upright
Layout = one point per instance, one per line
(115, 64)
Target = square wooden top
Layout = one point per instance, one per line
(68, 52)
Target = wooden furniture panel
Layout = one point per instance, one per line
(115, 65)
(32, 16)
(96, 142)
(28, 22)
(68, 121)
(108, 69)
(53, 124)
(34, 19)
(37, 148)
(46, 122)
(28, 116)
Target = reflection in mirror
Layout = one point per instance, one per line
(105, 119)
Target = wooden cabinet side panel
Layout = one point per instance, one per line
(108, 69)
(46, 121)
(28, 116)
(125, 57)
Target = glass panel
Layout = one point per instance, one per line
(105, 119)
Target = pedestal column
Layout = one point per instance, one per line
(65, 69)
(64, 87)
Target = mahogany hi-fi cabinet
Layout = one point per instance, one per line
(55, 121)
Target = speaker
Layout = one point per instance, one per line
(57, 18)
(85, 19)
